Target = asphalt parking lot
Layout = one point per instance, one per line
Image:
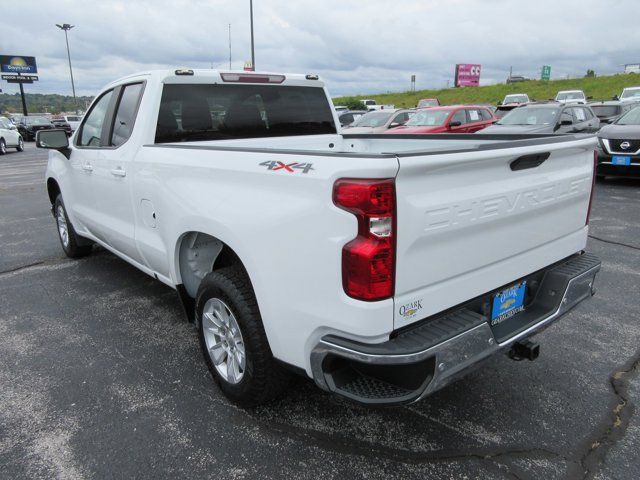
(101, 377)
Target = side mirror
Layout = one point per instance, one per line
(395, 124)
(615, 97)
(564, 123)
(455, 124)
(55, 139)
(12, 127)
(589, 98)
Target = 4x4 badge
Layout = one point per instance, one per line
(288, 167)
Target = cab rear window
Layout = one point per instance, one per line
(191, 112)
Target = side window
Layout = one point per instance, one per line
(91, 129)
(4, 123)
(346, 119)
(401, 119)
(126, 114)
(474, 115)
(486, 114)
(588, 113)
(566, 116)
(579, 114)
(460, 116)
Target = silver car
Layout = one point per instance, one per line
(380, 121)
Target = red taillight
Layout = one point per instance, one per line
(593, 185)
(368, 261)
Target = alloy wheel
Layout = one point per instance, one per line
(224, 341)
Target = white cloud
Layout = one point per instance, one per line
(357, 46)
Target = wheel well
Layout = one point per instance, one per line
(200, 254)
(53, 189)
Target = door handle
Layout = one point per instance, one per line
(87, 167)
(118, 172)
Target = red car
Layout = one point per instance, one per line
(453, 119)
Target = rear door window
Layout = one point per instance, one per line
(474, 115)
(126, 113)
(486, 114)
(192, 112)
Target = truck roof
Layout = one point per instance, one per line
(188, 75)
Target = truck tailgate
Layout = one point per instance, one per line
(468, 222)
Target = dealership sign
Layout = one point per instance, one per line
(467, 75)
(18, 64)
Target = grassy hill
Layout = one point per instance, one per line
(600, 88)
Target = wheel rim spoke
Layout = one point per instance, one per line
(232, 369)
(212, 324)
(218, 354)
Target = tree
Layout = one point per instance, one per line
(590, 74)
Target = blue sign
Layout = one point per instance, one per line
(17, 64)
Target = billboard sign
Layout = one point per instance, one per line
(546, 72)
(467, 75)
(18, 64)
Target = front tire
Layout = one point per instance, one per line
(233, 340)
(74, 245)
(3, 146)
(20, 147)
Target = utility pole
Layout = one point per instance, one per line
(24, 102)
(66, 27)
(253, 56)
(229, 46)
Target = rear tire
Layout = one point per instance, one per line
(232, 335)
(20, 147)
(74, 245)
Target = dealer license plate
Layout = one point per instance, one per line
(508, 303)
(620, 160)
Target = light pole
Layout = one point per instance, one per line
(66, 27)
(253, 56)
(229, 46)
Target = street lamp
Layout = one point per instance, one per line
(253, 57)
(66, 27)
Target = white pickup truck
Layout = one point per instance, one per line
(372, 105)
(381, 266)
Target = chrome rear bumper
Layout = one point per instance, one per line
(404, 370)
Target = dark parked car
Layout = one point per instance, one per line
(619, 146)
(516, 79)
(28, 126)
(62, 123)
(547, 118)
(609, 112)
(349, 116)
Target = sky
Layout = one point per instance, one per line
(356, 46)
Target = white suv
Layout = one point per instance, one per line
(9, 136)
(571, 96)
